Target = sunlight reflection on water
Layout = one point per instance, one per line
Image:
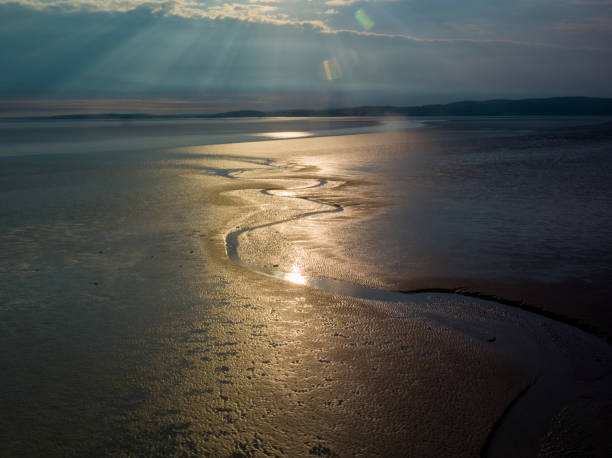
(282, 135)
(296, 277)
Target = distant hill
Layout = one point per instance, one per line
(128, 116)
(557, 106)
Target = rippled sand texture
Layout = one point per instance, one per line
(128, 330)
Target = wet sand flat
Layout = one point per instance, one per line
(174, 304)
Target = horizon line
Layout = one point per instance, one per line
(369, 110)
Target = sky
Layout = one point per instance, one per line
(63, 56)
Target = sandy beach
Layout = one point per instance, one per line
(217, 301)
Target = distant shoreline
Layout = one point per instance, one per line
(556, 106)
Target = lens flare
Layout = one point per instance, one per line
(332, 69)
(364, 20)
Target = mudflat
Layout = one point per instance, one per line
(243, 298)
